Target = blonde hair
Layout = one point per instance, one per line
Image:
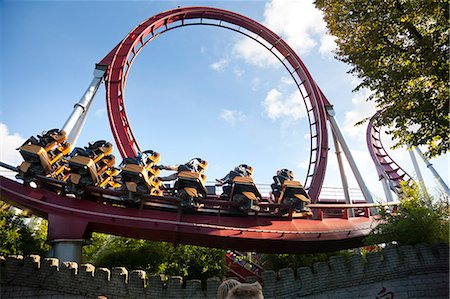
(225, 287)
(246, 291)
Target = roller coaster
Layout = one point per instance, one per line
(81, 190)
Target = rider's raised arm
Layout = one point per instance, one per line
(169, 167)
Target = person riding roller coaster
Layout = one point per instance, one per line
(138, 176)
(281, 176)
(189, 183)
(91, 166)
(197, 165)
(44, 155)
(243, 170)
(287, 191)
(238, 187)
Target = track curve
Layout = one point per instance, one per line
(385, 165)
(249, 233)
(121, 58)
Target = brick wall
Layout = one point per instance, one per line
(405, 272)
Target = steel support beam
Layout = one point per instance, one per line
(344, 181)
(68, 250)
(348, 155)
(76, 119)
(418, 172)
(433, 171)
(76, 131)
(387, 189)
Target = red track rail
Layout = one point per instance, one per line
(240, 268)
(245, 233)
(120, 59)
(385, 165)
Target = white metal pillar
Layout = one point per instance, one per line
(343, 176)
(348, 155)
(76, 131)
(418, 172)
(76, 117)
(68, 250)
(386, 188)
(433, 171)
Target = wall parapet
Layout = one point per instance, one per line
(87, 281)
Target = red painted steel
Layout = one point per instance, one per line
(240, 268)
(120, 59)
(384, 164)
(245, 233)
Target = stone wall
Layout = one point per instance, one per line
(405, 272)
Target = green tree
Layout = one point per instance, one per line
(193, 262)
(190, 262)
(110, 251)
(20, 234)
(419, 219)
(399, 49)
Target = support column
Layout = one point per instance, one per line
(418, 172)
(67, 235)
(68, 250)
(343, 176)
(387, 189)
(82, 106)
(76, 131)
(433, 171)
(348, 155)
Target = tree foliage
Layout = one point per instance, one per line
(399, 49)
(419, 219)
(191, 262)
(22, 235)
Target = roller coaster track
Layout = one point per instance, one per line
(386, 167)
(221, 230)
(238, 266)
(119, 61)
(161, 218)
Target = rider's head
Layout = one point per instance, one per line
(286, 173)
(150, 156)
(198, 164)
(245, 169)
(249, 171)
(202, 165)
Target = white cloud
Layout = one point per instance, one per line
(287, 80)
(304, 164)
(100, 113)
(238, 72)
(298, 22)
(8, 147)
(255, 54)
(202, 49)
(327, 45)
(278, 105)
(355, 81)
(360, 110)
(256, 82)
(232, 116)
(220, 65)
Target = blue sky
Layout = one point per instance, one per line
(195, 91)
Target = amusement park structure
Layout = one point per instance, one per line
(80, 190)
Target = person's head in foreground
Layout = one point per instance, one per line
(226, 287)
(246, 291)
